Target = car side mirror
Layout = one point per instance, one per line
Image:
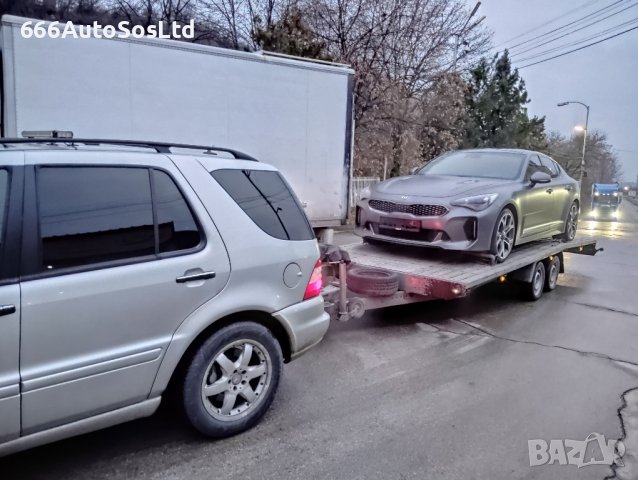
(540, 177)
(414, 170)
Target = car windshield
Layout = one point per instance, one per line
(501, 165)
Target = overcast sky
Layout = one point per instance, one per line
(604, 76)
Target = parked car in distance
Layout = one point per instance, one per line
(482, 200)
(126, 266)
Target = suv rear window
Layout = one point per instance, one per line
(266, 198)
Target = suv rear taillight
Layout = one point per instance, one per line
(313, 289)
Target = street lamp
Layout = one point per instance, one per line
(457, 36)
(585, 131)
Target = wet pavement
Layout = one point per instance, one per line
(446, 390)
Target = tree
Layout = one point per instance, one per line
(79, 11)
(443, 110)
(601, 163)
(496, 115)
(289, 35)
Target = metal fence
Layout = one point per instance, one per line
(358, 184)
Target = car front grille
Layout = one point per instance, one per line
(417, 209)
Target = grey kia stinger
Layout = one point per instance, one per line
(482, 200)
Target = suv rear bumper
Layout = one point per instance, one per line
(306, 323)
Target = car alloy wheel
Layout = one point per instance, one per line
(235, 379)
(505, 233)
(572, 222)
(231, 379)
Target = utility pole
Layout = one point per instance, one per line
(585, 133)
(458, 35)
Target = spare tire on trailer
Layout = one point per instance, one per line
(372, 281)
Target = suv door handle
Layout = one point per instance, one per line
(195, 277)
(549, 190)
(7, 309)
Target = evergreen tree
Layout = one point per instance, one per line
(496, 115)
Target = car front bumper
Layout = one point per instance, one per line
(306, 323)
(458, 229)
(605, 210)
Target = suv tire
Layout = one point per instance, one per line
(232, 379)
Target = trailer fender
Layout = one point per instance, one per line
(524, 274)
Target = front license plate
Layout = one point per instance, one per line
(401, 224)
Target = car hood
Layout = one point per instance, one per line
(437, 186)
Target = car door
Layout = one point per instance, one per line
(562, 191)
(107, 278)
(11, 183)
(538, 205)
(559, 194)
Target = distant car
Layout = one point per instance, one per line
(483, 200)
(606, 199)
(126, 267)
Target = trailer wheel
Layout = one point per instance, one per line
(372, 281)
(534, 288)
(356, 307)
(552, 267)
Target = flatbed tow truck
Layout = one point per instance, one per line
(363, 276)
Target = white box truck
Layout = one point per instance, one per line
(293, 113)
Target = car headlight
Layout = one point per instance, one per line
(365, 193)
(476, 203)
(615, 194)
(596, 194)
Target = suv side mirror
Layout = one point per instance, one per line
(540, 177)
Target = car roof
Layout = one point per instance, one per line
(58, 144)
(505, 150)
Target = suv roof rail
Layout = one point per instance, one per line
(159, 147)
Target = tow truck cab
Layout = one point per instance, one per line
(605, 200)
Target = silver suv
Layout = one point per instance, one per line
(125, 266)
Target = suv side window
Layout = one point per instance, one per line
(93, 214)
(90, 215)
(550, 166)
(177, 228)
(4, 195)
(266, 198)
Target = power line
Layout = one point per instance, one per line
(557, 29)
(580, 41)
(549, 22)
(573, 31)
(579, 48)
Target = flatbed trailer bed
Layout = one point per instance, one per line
(428, 274)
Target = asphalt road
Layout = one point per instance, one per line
(445, 390)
